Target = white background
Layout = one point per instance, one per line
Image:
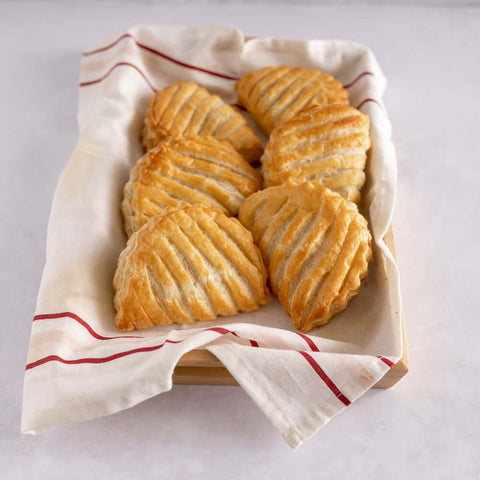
(427, 425)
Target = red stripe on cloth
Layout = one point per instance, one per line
(371, 100)
(309, 341)
(354, 81)
(51, 358)
(224, 331)
(386, 360)
(83, 323)
(162, 55)
(120, 64)
(93, 333)
(220, 330)
(56, 358)
(318, 369)
(108, 47)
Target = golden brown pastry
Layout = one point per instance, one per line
(185, 108)
(323, 144)
(316, 247)
(276, 93)
(191, 170)
(188, 264)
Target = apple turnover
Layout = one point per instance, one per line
(323, 144)
(187, 170)
(316, 247)
(188, 264)
(272, 94)
(185, 108)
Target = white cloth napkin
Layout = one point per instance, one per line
(79, 366)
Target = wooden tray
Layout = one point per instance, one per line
(200, 367)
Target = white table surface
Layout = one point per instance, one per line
(427, 425)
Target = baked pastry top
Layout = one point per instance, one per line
(272, 94)
(316, 246)
(185, 108)
(323, 144)
(192, 170)
(187, 264)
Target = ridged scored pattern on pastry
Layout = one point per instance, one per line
(272, 94)
(188, 264)
(322, 144)
(185, 108)
(316, 247)
(192, 170)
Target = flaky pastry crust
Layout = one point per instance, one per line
(316, 246)
(322, 144)
(272, 94)
(187, 170)
(188, 264)
(185, 108)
